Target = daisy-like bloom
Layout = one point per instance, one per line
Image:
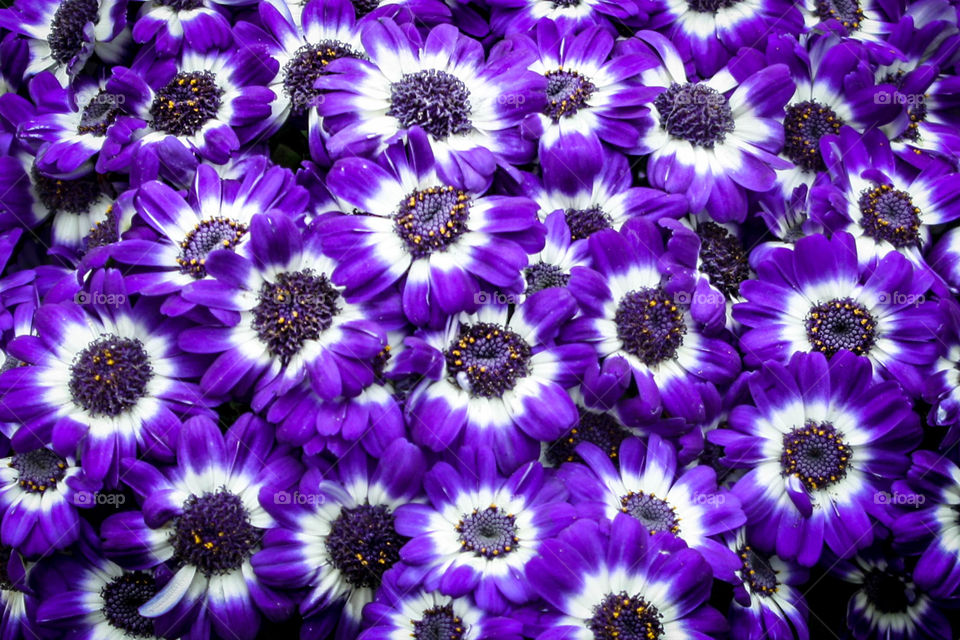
(198, 103)
(623, 583)
(426, 615)
(592, 96)
(18, 602)
(882, 206)
(931, 523)
(449, 240)
(817, 298)
(338, 537)
(630, 309)
(469, 107)
(290, 322)
(596, 199)
(552, 265)
(767, 603)
(648, 487)
(202, 24)
(496, 378)
(710, 32)
(887, 604)
(200, 523)
(480, 529)
(214, 214)
(713, 140)
(104, 376)
(821, 441)
(64, 34)
(942, 388)
(37, 501)
(570, 16)
(868, 21)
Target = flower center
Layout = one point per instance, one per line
(110, 375)
(565, 3)
(887, 591)
(584, 223)
(214, 533)
(710, 6)
(307, 65)
(363, 544)
(488, 533)
(889, 214)
(72, 196)
(601, 429)
(756, 572)
(432, 219)
(650, 325)
(542, 276)
(488, 359)
(438, 623)
(363, 7)
(917, 113)
(434, 99)
(804, 125)
(122, 599)
(567, 93)
(654, 513)
(38, 470)
(846, 12)
(104, 232)
(816, 454)
(840, 324)
(180, 5)
(696, 113)
(99, 114)
(722, 258)
(67, 27)
(620, 616)
(216, 233)
(298, 307)
(711, 456)
(187, 102)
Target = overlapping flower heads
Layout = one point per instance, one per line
(479, 320)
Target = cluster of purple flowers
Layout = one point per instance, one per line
(479, 320)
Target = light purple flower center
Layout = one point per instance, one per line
(847, 12)
(433, 99)
(432, 219)
(488, 533)
(38, 470)
(542, 276)
(756, 572)
(110, 375)
(805, 123)
(567, 93)
(214, 533)
(840, 324)
(621, 616)
(363, 544)
(695, 112)
(655, 514)
(584, 223)
(186, 103)
(650, 325)
(816, 454)
(888, 214)
(122, 598)
(67, 28)
(488, 359)
(438, 623)
(215, 233)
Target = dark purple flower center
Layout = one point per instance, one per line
(122, 598)
(888, 591)
(695, 112)
(567, 93)
(297, 307)
(488, 533)
(67, 28)
(601, 429)
(110, 375)
(187, 102)
(38, 470)
(722, 258)
(104, 232)
(215, 233)
(99, 114)
(488, 359)
(755, 571)
(712, 456)
(307, 65)
(71, 196)
(542, 276)
(846, 12)
(650, 325)
(584, 223)
(816, 454)
(805, 123)
(654, 513)
(363, 544)
(214, 533)
(432, 219)
(438, 623)
(917, 113)
(888, 214)
(710, 6)
(433, 99)
(363, 7)
(840, 324)
(180, 5)
(620, 616)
